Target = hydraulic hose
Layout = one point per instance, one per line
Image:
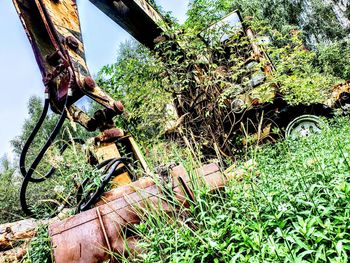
(22, 159)
(112, 167)
(28, 177)
(27, 146)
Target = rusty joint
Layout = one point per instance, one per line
(54, 59)
(110, 135)
(72, 42)
(56, 72)
(89, 83)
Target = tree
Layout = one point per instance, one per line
(322, 22)
(9, 201)
(136, 78)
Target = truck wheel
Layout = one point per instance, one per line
(304, 125)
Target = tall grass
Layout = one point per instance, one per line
(292, 205)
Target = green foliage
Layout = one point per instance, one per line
(40, 249)
(315, 18)
(136, 79)
(291, 206)
(207, 75)
(299, 80)
(9, 203)
(202, 13)
(334, 58)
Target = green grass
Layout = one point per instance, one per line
(292, 206)
(39, 250)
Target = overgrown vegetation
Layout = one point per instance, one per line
(293, 201)
(291, 205)
(300, 81)
(317, 19)
(9, 209)
(203, 76)
(40, 249)
(136, 78)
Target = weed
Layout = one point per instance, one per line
(39, 250)
(296, 210)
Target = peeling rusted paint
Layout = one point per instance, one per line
(53, 29)
(110, 135)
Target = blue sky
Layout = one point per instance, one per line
(19, 74)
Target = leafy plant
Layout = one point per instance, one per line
(292, 204)
(9, 203)
(332, 58)
(317, 19)
(299, 80)
(40, 249)
(136, 79)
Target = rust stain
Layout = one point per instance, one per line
(117, 210)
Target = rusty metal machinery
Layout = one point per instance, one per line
(137, 17)
(53, 29)
(94, 235)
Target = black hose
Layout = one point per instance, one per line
(113, 164)
(22, 159)
(104, 163)
(28, 177)
(83, 206)
(37, 160)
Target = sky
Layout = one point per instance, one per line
(19, 73)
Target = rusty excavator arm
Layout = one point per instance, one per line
(53, 29)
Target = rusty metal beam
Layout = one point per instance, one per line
(137, 17)
(53, 29)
